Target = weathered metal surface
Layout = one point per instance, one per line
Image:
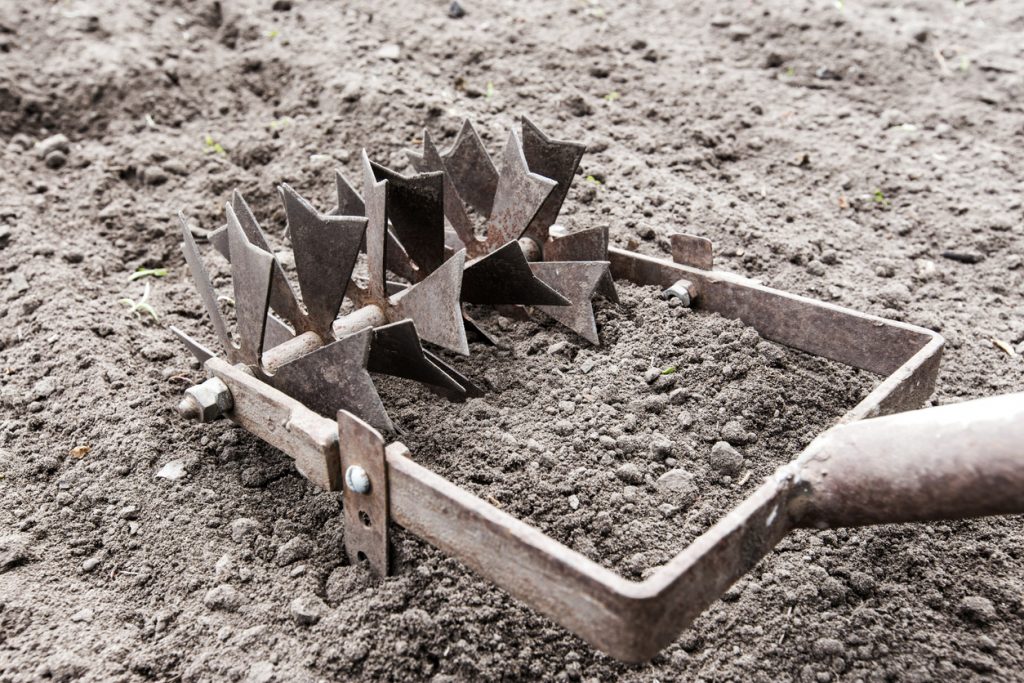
(396, 350)
(690, 250)
(200, 352)
(469, 389)
(206, 293)
(471, 169)
(367, 514)
(375, 196)
(518, 197)
(683, 290)
(576, 281)
(433, 304)
(325, 249)
(841, 334)
(584, 245)
(454, 209)
(416, 211)
(952, 462)
(335, 377)
(349, 201)
(283, 422)
(557, 160)
(504, 277)
(251, 270)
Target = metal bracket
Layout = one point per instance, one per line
(693, 251)
(365, 492)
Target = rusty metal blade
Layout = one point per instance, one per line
(454, 209)
(349, 201)
(518, 197)
(554, 159)
(578, 281)
(375, 196)
(335, 377)
(416, 212)
(277, 332)
(206, 292)
(325, 249)
(396, 351)
(472, 170)
(475, 328)
(469, 390)
(282, 296)
(504, 277)
(251, 271)
(433, 305)
(201, 353)
(585, 245)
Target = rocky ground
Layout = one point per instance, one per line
(865, 153)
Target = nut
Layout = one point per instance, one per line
(684, 290)
(207, 401)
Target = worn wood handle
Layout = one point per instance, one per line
(951, 462)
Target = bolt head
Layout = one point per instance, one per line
(211, 399)
(357, 480)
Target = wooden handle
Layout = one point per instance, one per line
(951, 462)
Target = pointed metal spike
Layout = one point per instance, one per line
(277, 332)
(282, 296)
(335, 377)
(504, 277)
(518, 197)
(454, 209)
(585, 245)
(325, 250)
(475, 328)
(469, 390)
(375, 196)
(201, 353)
(396, 351)
(349, 201)
(251, 271)
(416, 212)
(219, 239)
(472, 170)
(554, 159)
(433, 305)
(206, 292)
(577, 280)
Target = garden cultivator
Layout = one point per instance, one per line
(299, 379)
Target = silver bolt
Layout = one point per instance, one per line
(357, 480)
(683, 290)
(206, 402)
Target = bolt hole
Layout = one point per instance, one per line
(364, 518)
(361, 556)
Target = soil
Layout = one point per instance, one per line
(859, 152)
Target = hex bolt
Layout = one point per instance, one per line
(357, 480)
(207, 401)
(684, 290)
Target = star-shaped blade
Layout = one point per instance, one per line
(578, 281)
(554, 159)
(206, 292)
(471, 169)
(325, 249)
(350, 203)
(433, 305)
(201, 353)
(416, 212)
(454, 209)
(518, 197)
(586, 245)
(396, 351)
(251, 272)
(375, 197)
(504, 277)
(334, 377)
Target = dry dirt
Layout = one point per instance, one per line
(865, 153)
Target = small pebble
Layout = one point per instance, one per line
(455, 10)
(652, 375)
(307, 609)
(90, 564)
(389, 51)
(298, 548)
(223, 598)
(54, 143)
(725, 459)
(630, 473)
(977, 609)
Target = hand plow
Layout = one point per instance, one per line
(299, 378)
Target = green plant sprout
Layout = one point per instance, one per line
(612, 96)
(137, 308)
(212, 145)
(670, 370)
(489, 90)
(592, 179)
(147, 272)
(272, 33)
(879, 197)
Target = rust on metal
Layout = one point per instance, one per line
(691, 250)
(367, 508)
